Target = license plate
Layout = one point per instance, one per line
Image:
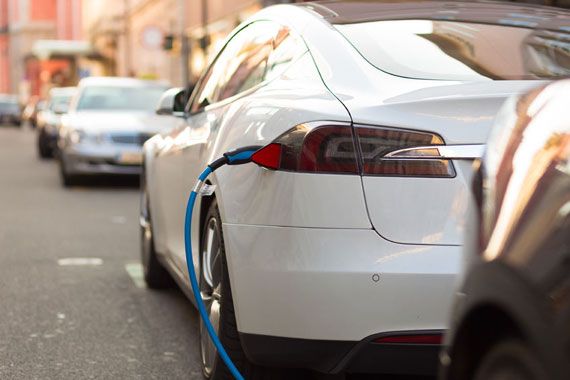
(131, 158)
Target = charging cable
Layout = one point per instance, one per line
(235, 157)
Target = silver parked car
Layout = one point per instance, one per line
(108, 122)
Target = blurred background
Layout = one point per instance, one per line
(47, 43)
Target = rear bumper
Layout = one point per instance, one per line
(86, 160)
(9, 118)
(342, 356)
(337, 285)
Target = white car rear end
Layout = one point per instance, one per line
(340, 256)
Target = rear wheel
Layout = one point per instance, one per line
(217, 296)
(511, 360)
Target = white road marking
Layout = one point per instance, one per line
(118, 219)
(135, 271)
(80, 261)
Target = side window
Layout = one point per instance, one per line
(248, 67)
(260, 51)
(286, 47)
(240, 66)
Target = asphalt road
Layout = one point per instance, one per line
(80, 319)
(73, 304)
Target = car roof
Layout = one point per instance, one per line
(120, 82)
(524, 15)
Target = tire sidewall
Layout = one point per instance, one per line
(511, 356)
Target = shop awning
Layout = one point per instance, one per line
(45, 49)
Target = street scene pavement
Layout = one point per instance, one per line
(73, 302)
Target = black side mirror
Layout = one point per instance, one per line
(172, 102)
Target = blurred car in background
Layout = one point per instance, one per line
(10, 112)
(107, 124)
(33, 107)
(340, 253)
(512, 313)
(48, 120)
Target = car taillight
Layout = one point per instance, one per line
(333, 148)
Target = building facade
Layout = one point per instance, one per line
(22, 24)
(131, 34)
(4, 46)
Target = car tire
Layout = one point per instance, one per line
(43, 149)
(511, 359)
(67, 180)
(155, 275)
(214, 283)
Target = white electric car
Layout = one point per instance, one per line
(338, 252)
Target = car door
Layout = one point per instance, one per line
(238, 68)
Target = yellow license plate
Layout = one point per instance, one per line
(131, 158)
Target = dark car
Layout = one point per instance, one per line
(512, 313)
(49, 119)
(10, 112)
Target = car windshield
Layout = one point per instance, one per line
(452, 50)
(60, 103)
(115, 98)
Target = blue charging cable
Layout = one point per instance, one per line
(234, 157)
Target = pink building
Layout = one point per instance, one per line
(29, 25)
(4, 74)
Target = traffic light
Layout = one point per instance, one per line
(168, 42)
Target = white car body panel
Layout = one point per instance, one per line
(318, 282)
(421, 210)
(185, 152)
(293, 199)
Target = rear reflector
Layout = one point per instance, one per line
(320, 149)
(411, 339)
(269, 156)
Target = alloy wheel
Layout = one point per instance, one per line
(210, 290)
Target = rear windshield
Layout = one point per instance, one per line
(451, 50)
(11, 106)
(115, 98)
